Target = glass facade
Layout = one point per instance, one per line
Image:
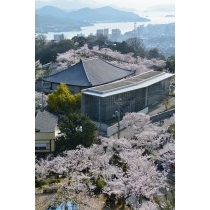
(102, 109)
(157, 92)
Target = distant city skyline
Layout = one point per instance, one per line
(131, 5)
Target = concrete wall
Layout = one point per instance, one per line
(114, 129)
(43, 136)
(162, 116)
(145, 111)
(108, 131)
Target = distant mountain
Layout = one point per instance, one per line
(68, 4)
(53, 19)
(50, 11)
(105, 14)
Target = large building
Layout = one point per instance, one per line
(104, 32)
(84, 74)
(134, 94)
(58, 37)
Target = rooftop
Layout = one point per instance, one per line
(89, 72)
(45, 121)
(132, 83)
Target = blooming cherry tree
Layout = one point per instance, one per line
(121, 165)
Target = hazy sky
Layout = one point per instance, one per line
(139, 5)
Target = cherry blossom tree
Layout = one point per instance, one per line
(125, 61)
(67, 57)
(118, 168)
(85, 51)
(130, 174)
(38, 98)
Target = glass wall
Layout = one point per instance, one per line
(90, 106)
(157, 92)
(102, 109)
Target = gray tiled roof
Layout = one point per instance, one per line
(89, 72)
(74, 75)
(45, 121)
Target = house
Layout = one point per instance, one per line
(84, 74)
(46, 130)
(106, 104)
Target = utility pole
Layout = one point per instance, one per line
(75, 47)
(117, 114)
(42, 96)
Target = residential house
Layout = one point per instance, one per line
(46, 130)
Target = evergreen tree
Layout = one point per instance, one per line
(62, 101)
(76, 129)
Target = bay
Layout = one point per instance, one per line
(123, 26)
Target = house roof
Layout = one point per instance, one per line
(45, 121)
(132, 83)
(89, 72)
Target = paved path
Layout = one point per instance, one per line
(161, 107)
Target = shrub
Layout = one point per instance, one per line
(54, 181)
(100, 183)
(40, 183)
(171, 130)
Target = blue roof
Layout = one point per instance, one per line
(71, 206)
(68, 205)
(61, 207)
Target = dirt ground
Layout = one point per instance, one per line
(43, 200)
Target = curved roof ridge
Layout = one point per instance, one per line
(68, 68)
(115, 66)
(86, 72)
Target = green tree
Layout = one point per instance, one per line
(137, 46)
(154, 53)
(62, 101)
(80, 40)
(40, 41)
(171, 130)
(122, 47)
(76, 129)
(64, 45)
(170, 64)
(48, 52)
(166, 103)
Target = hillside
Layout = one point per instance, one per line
(53, 19)
(105, 14)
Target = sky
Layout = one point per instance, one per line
(139, 5)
